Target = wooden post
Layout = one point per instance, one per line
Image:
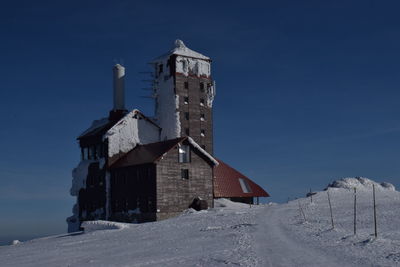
(355, 211)
(330, 208)
(311, 194)
(375, 224)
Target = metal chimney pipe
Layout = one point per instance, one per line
(119, 84)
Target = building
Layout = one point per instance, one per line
(136, 169)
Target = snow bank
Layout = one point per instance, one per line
(91, 226)
(360, 183)
(226, 203)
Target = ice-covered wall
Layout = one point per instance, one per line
(194, 66)
(167, 107)
(129, 132)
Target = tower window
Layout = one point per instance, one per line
(202, 87)
(187, 131)
(186, 84)
(203, 132)
(160, 68)
(187, 116)
(202, 117)
(185, 174)
(201, 101)
(186, 100)
(184, 154)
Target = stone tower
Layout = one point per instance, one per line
(184, 93)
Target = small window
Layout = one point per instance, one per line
(187, 116)
(82, 153)
(201, 87)
(202, 117)
(203, 132)
(184, 154)
(160, 68)
(186, 84)
(186, 100)
(244, 185)
(185, 174)
(187, 132)
(201, 101)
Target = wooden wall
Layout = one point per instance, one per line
(175, 194)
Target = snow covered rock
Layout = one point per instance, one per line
(15, 242)
(360, 183)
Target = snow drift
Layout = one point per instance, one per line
(361, 183)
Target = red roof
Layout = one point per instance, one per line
(228, 182)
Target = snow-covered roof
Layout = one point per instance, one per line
(152, 152)
(182, 50)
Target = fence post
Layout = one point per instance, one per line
(311, 194)
(375, 224)
(355, 211)
(301, 211)
(330, 208)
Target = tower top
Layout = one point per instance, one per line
(180, 49)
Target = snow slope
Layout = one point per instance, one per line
(233, 234)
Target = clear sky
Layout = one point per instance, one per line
(307, 91)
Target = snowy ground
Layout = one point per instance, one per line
(234, 234)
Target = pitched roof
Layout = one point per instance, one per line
(180, 49)
(152, 152)
(229, 182)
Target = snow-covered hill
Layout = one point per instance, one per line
(236, 234)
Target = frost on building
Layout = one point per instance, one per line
(136, 169)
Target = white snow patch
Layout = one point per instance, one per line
(226, 203)
(361, 183)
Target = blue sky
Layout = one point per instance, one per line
(307, 91)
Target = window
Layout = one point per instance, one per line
(202, 87)
(202, 117)
(244, 185)
(184, 154)
(203, 132)
(203, 147)
(186, 84)
(187, 131)
(186, 100)
(160, 68)
(185, 174)
(187, 116)
(201, 101)
(82, 153)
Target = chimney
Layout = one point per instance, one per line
(119, 84)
